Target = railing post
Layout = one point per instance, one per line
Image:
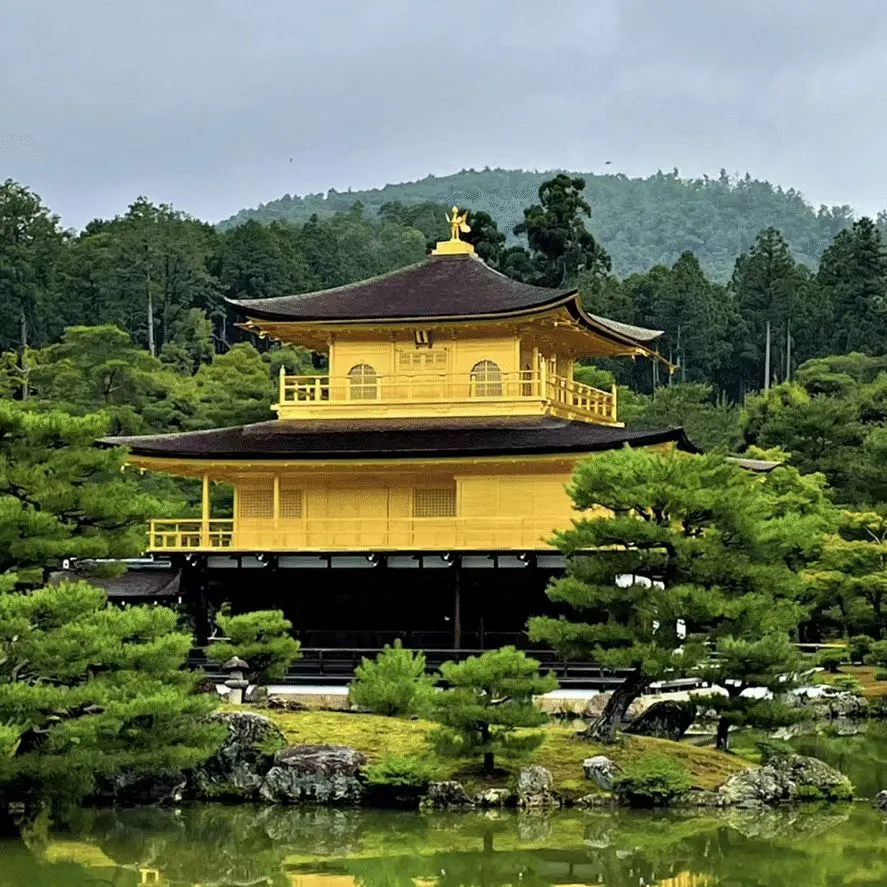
(317, 389)
(613, 391)
(281, 393)
(204, 513)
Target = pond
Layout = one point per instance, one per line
(216, 845)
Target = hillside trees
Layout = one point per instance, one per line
(697, 539)
(31, 241)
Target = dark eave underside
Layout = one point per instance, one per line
(395, 439)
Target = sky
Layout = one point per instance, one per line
(215, 105)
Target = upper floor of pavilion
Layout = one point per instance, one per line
(448, 336)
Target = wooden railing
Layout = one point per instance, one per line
(354, 534)
(469, 390)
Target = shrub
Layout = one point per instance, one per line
(399, 781)
(860, 647)
(488, 699)
(394, 684)
(774, 748)
(848, 684)
(652, 781)
(832, 658)
(881, 675)
(878, 654)
(262, 638)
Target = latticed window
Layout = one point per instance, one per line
(486, 379)
(291, 504)
(432, 359)
(362, 383)
(255, 502)
(434, 502)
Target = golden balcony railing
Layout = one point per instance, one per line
(354, 534)
(488, 393)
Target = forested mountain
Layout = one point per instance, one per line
(642, 222)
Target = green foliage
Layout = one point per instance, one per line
(878, 654)
(831, 659)
(60, 496)
(487, 700)
(262, 639)
(726, 546)
(860, 647)
(642, 221)
(771, 749)
(394, 684)
(93, 691)
(652, 781)
(402, 771)
(848, 683)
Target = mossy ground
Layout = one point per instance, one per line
(872, 688)
(562, 752)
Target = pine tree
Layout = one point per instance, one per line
(262, 639)
(61, 496)
(674, 538)
(489, 698)
(88, 692)
(395, 683)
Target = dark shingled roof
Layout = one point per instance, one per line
(437, 288)
(132, 584)
(397, 439)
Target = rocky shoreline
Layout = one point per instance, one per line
(256, 765)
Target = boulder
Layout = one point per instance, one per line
(595, 801)
(535, 787)
(602, 770)
(139, 790)
(443, 795)
(237, 770)
(314, 774)
(881, 800)
(666, 719)
(492, 797)
(785, 779)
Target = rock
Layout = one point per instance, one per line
(595, 801)
(602, 770)
(128, 790)
(666, 719)
(443, 795)
(701, 798)
(535, 787)
(256, 695)
(492, 797)
(284, 703)
(829, 703)
(786, 779)
(881, 800)
(237, 770)
(314, 774)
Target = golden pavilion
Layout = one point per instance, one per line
(440, 437)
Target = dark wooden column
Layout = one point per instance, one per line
(457, 605)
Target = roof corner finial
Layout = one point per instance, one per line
(455, 246)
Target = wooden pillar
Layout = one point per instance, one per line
(204, 513)
(457, 608)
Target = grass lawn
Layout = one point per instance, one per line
(561, 752)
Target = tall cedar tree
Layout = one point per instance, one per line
(489, 698)
(853, 276)
(560, 244)
(699, 539)
(89, 692)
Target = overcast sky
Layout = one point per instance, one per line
(202, 103)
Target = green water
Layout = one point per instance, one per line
(213, 845)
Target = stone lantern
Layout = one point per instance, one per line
(236, 682)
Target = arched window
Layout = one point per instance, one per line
(362, 382)
(486, 379)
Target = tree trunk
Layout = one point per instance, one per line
(604, 728)
(722, 738)
(488, 763)
(151, 349)
(23, 359)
